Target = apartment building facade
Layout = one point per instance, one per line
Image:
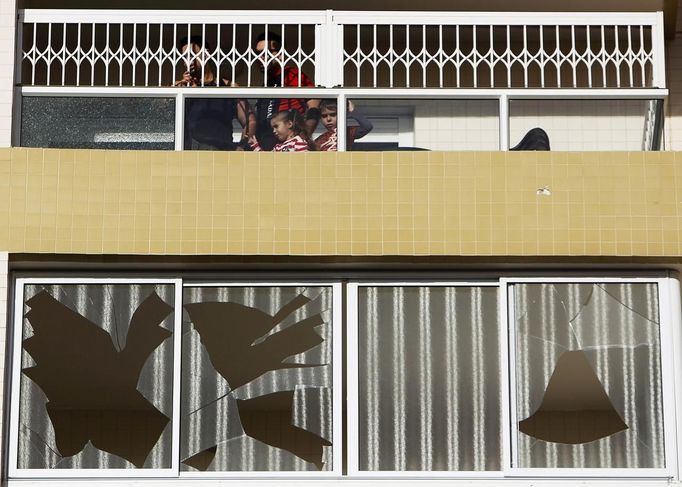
(424, 305)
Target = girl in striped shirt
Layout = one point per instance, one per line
(289, 128)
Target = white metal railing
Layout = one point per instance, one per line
(350, 55)
(139, 48)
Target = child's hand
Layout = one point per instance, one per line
(351, 107)
(252, 140)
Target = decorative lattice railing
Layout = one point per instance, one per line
(349, 49)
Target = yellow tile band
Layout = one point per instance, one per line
(394, 203)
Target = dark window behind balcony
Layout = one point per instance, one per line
(98, 123)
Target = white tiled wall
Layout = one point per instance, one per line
(7, 36)
(577, 125)
(444, 124)
(573, 125)
(457, 125)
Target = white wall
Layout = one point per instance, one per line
(574, 125)
(581, 125)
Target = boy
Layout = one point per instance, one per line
(328, 141)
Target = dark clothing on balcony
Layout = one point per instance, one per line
(208, 123)
(535, 139)
(268, 108)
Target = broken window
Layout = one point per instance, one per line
(254, 389)
(96, 376)
(588, 375)
(257, 379)
(429, 379)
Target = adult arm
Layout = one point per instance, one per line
(246, 118)
(312, 115)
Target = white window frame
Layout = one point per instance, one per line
(664, 285)
(337, 384)
(501, 95)
(48, 473)
(19, 476)
(671, 345)
(352, 328)
(671, 384)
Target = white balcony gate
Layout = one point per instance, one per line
(363, 54)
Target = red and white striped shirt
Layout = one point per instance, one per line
(295, 144)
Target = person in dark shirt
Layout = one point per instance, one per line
(208, 121)
(287, 76)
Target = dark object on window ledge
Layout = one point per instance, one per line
(535, 139)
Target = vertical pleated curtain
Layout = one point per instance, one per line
(208, 413)
(209, 416)
(109, 307)
(617, 327)
(429, 376)
(429, 379)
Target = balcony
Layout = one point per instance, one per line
(434, 80)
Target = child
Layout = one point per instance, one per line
(328, 141)
(289, 128)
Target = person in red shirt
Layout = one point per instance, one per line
(287, 76)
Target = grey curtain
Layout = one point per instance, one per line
(429, 379)
(109, 308)
(617, 327)
(210, 418)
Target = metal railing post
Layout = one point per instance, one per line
(325, 51)
(179, 121)
(320, 72)
(341, 123)
(504, 121)
(658, 51)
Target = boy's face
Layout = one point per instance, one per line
(281, 128)
(274, 51)
(328, 116)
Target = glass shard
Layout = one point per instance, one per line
(230, 333)
(252, 354)
(202, 460)
(268, 419)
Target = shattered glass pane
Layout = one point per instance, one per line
(96, 383)
(257, 377)
(588, 376)
(98, 123)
